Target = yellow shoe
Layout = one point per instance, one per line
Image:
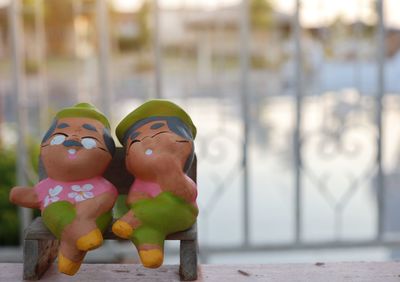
(90, 241)
(151, 258)
(122, 229)
(67, 266)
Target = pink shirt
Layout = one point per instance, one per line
(51, 191)
(153, 189)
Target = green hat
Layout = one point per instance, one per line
(83, 110)
(154, 108)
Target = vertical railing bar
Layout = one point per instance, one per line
(40, 55)
(104, 56)
(244, 91)
(157, 50)
(380, 93)
(297, 133)
(219, 77)
(357, 32)
(76, 11)
(18, 80)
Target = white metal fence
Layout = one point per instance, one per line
(299, 153)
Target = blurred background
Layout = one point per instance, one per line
(296, 102)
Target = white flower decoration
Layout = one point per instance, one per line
(81, 193)
(52, 196)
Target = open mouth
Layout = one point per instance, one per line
(72, 154)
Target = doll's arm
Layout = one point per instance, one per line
(134, 196)
(181, 185)
(25, 197)
(171, 178)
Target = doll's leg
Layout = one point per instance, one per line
(160, 216)
(69, 258)
(151, 256)
(91, 220)
(85, 234)
(124, 226)
(150, 245)
(58, 217)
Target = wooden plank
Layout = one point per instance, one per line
(31, 258)
(38, 231)
(188, 260)
(311, 272)
(189, 234)
(38, 256)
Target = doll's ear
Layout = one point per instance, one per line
(109, 141)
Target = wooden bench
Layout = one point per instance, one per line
(41, 247)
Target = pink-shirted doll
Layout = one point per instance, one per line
(158, 140)
(75, 200)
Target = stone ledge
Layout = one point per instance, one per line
(327, 272)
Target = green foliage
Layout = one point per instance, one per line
(34, 151)
(28, 13)
(9, 221)
(8, 212)
(31, 66)
(258, 62)
(126, 43)
(144, 65)
(142, 40)
(59, 21)
(3, 24)
(143, 21)
(260, 14)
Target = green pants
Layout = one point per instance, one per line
(59, 214)
(160, 216)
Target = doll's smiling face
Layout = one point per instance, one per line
(154, 147)
(75, 150)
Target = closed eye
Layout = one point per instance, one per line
(161, 132)
(182, 141)
(134, 141)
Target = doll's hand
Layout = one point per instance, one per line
(25, 197)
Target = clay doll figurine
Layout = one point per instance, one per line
(158, 141)
(75, 200)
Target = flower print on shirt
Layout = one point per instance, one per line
(81, 193)
(52, 197)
